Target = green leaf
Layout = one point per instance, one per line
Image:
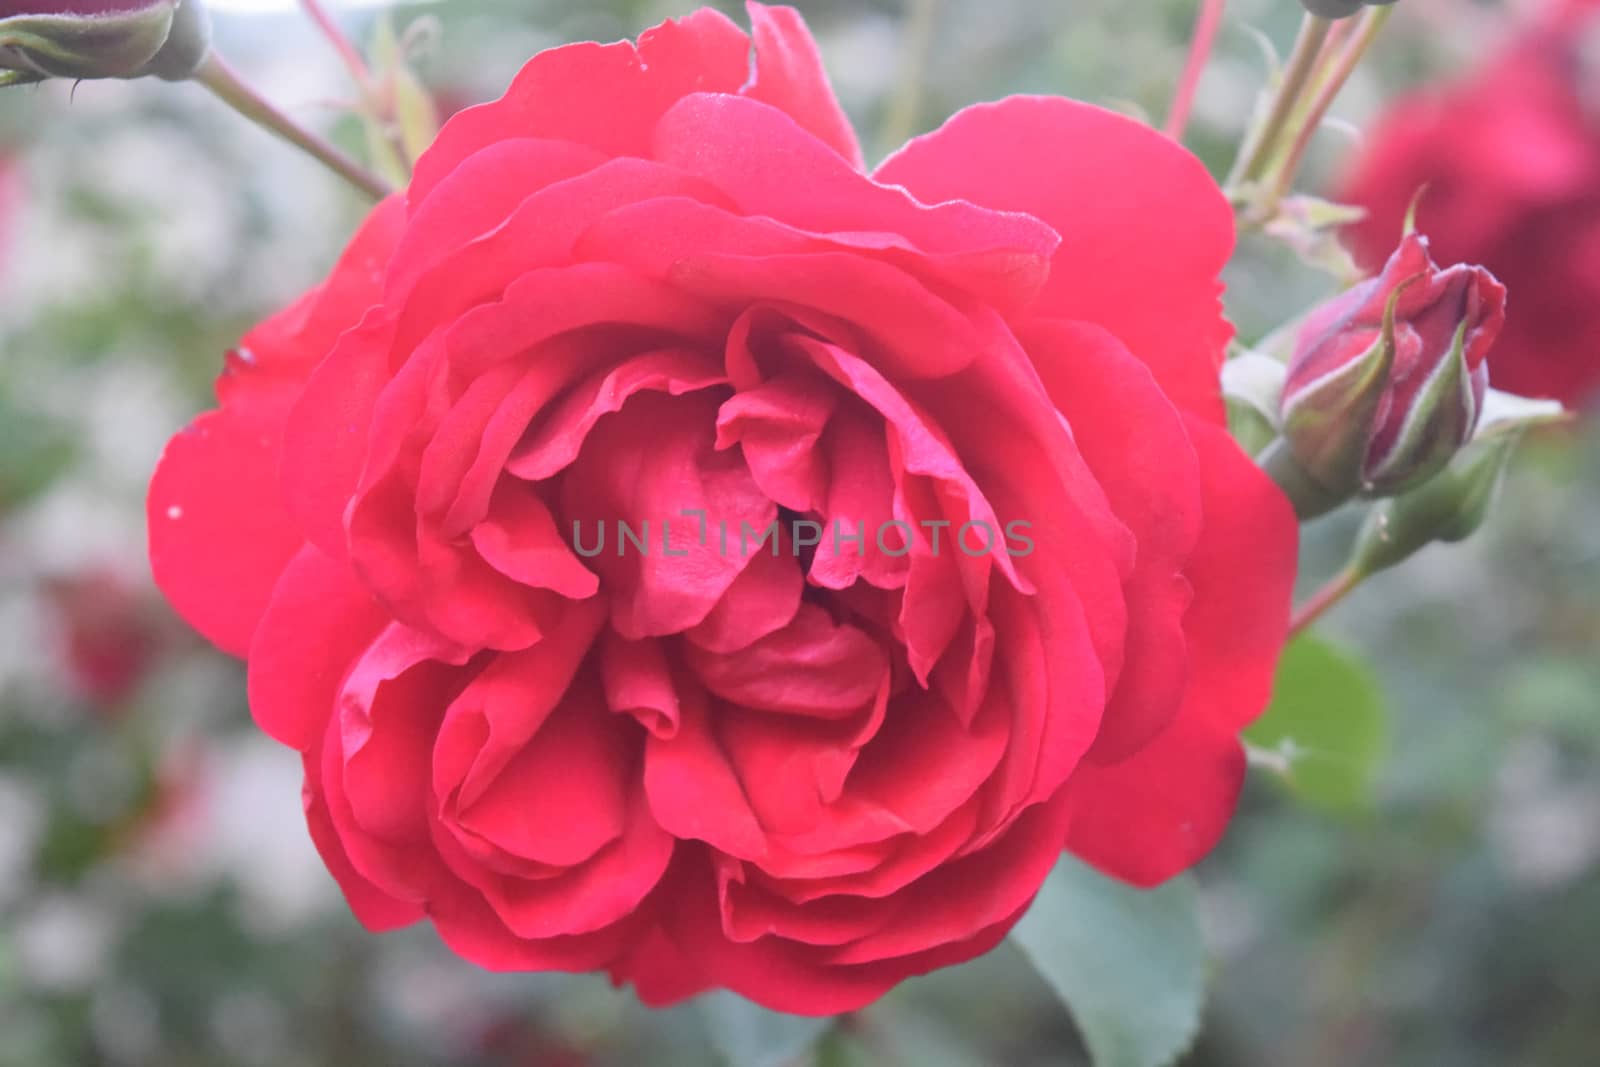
(1325, 730)
(748, 1035)
(1128, 963)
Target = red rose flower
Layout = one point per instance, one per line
(653, 279)
(1510, 161)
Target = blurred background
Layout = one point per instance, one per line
(159, 899)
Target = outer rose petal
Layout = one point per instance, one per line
(290, 344)
(778, 974)
(609, 96)
(218, 537)
(373, 908)
(1243, 574)
(789, 76)
(1159, 812)
(1142, 224)
(1140, 453)
(709, 136)
(219, 532)
(317, 623)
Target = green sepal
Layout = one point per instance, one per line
(1454, 503)
(1441, 419)
(1329, 423)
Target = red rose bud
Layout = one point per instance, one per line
(1387, 381)
(101, 39)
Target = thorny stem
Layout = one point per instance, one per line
(1206, 24)
(215, 74)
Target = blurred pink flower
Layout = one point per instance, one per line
(10, 207)
(109, 635)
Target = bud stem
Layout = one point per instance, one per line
(341, 44)
(1258, 147)
(1327, 91)
(215, 74)
(1337, 588)
(1207, 22)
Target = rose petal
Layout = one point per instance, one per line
(1158, 224)
(789, 76)
(1243, 572)
(607, 97)
(1141, 454)
(316, 625)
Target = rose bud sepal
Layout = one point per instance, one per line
(85, 39)
(1440, 420)
(1452, 505)
(1328, 423)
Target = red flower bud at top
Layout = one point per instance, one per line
(1387, 380)
(101, 39)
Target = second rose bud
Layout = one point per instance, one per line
(82, 39)
(1387, 381)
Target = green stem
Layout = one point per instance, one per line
(1337, 588)
(1285, 169)
(215, 74)
(1263, 139)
